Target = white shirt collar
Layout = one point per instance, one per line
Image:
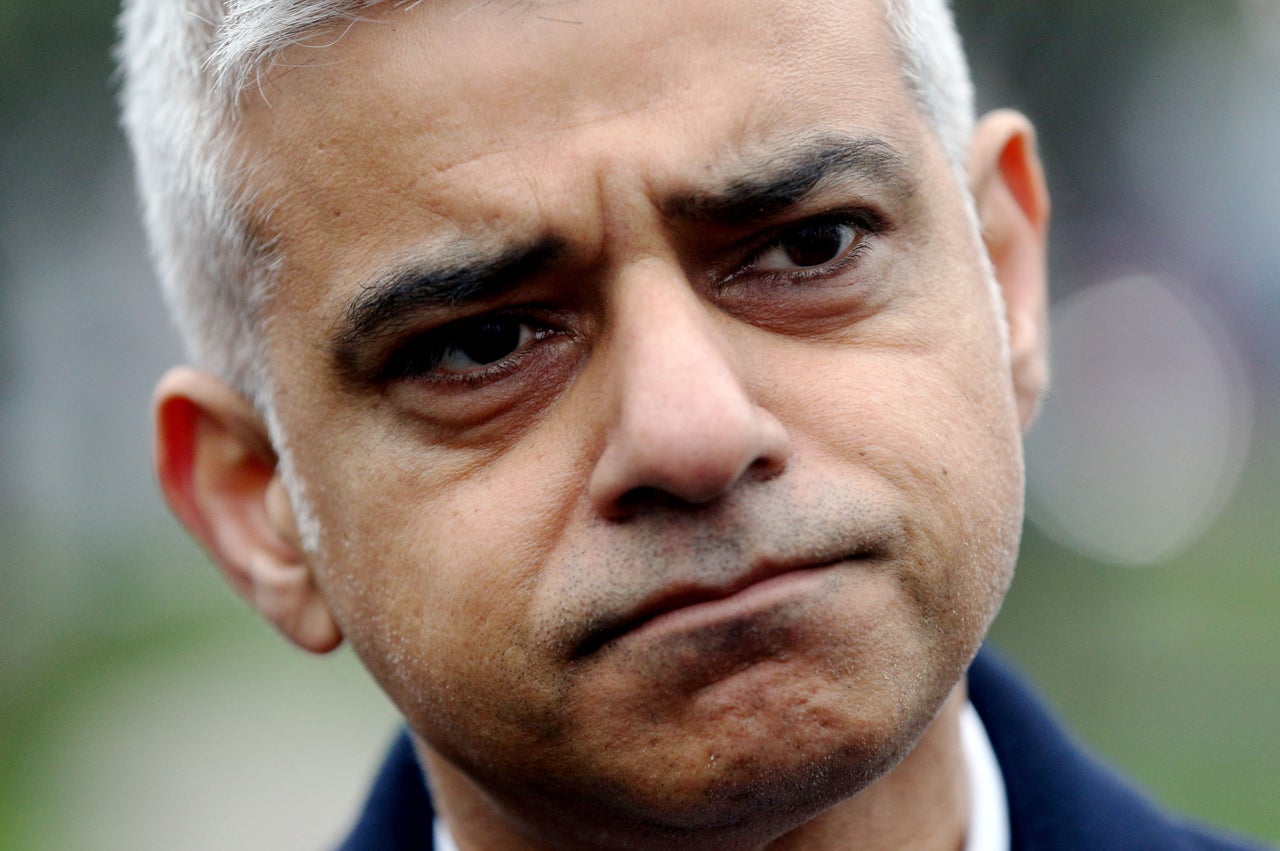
(988, 806)
(443, 838)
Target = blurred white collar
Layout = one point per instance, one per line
(444, 839)
(988, 805)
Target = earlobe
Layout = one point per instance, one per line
(1008, 186)
(219, 474)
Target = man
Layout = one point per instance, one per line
(638, 388)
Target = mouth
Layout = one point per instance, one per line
(692, 602)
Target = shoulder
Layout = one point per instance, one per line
(398, 812)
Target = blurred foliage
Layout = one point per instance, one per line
(1069, 66)
(54, 47)
(1171, 670)
(56, 71)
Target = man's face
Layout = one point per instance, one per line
(639, 363)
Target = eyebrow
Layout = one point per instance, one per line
(460, 274)
(771, 185)
(465, 273)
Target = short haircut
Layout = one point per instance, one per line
(185, 65)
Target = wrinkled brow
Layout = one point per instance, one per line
(459, 274)
(757, 189)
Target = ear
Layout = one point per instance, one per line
(220, 476)
(1008, 186)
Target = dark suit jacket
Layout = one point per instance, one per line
(1060, 797)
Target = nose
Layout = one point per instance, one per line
(683, 427)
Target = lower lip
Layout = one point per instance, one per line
(759, 599)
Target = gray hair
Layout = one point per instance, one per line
(936, 71)
(185, 64)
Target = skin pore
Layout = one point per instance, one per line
(642, 369)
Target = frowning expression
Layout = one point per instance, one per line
(640, 363)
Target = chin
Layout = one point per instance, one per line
(742, 800)
(758, 754)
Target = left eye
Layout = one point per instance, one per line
(807, 246)
(465, 347)
(482, 343)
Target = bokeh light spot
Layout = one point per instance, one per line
(1147, 426)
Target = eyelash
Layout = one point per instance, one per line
(865, 223)
(420, 358)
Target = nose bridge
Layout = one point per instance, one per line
(682, 420)
(675, 381)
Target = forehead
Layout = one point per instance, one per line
(482, 116)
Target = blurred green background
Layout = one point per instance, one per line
(141, 706)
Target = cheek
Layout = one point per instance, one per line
(936, 424)
(431, 564)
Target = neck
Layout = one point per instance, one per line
(921, 803)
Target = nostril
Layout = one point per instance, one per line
(649, 464)
(768, 466)
(638, 499)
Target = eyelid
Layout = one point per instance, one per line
(397, 363)
(867, 222)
